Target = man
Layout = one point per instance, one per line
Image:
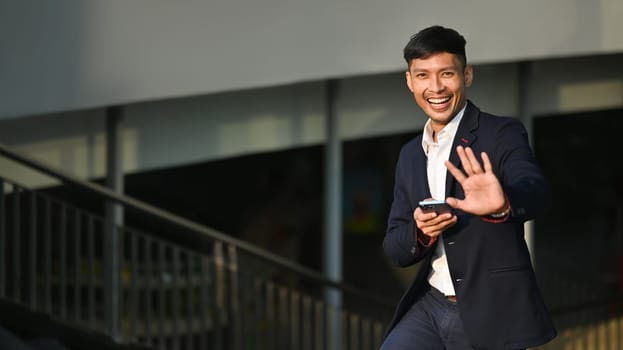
(475, 288)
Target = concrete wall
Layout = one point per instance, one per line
(79, 54)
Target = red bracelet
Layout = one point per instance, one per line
(431, 240)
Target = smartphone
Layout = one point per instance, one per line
(438, 206)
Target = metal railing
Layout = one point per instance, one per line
(585, 304)
(182, 286)
(593, 325)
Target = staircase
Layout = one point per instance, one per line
(69, 269)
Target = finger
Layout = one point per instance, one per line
(486, 162)
(458, 174)
(432, 231)
(473, 161)
(423, 217)
(440, 226)
(452, 201)
(455, 203)
(467, 166)
(439, 220)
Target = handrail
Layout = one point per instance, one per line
(182, 222)
(559, 311)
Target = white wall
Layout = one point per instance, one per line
(75, 54)
(227, 124)
(584, 83)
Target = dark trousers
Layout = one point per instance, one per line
(432, 323)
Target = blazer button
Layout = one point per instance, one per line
(413, 250)
(451, 243)
(458, 280)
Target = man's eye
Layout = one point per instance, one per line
(420, 75)
(447, 74)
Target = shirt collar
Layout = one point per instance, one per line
(447, 133)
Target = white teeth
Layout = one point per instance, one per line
(438, 100)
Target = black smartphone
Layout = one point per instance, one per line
(438, 206)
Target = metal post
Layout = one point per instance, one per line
(3, 242)
(332, 265)
(114, 220)
(524, 113)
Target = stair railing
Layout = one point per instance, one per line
(182, 285)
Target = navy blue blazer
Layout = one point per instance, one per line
(498, 298)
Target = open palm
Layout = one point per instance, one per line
(483, 192)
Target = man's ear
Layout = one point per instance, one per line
(409, 83)
(468, 75)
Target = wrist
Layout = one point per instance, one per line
(425, 240)
(500, 215)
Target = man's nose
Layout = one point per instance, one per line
(435, 84)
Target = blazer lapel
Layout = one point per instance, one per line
(465, 136)
(420, 165)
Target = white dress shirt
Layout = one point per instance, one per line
(436, 153)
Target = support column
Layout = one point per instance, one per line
(114, 220)
(332, 240)
(525, 115)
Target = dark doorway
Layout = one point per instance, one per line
(579, 243)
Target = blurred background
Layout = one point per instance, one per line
(249, 151)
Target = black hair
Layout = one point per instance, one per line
(433, 40)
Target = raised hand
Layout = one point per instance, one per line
(483, 192)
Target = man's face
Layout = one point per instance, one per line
(438, 84)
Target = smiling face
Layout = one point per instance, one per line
(438, 83)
